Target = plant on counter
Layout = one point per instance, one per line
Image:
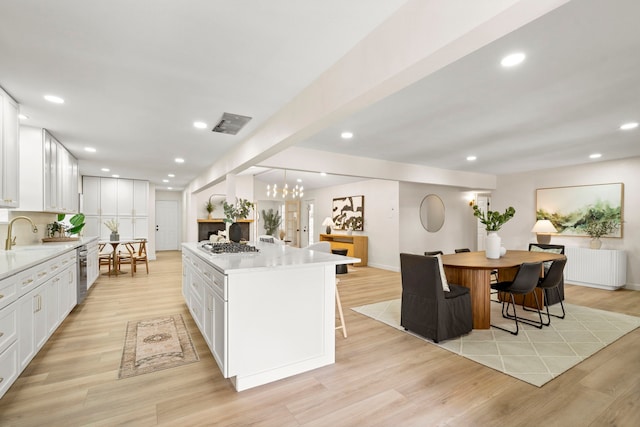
(60, 229)
(112, 225)
(239, 210)
(493, 220)
(272, 221)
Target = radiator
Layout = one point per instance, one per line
(599, 268)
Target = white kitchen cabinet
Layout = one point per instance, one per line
(140, 198)
(91, 195)
(123, 200)
(125, 197)
(275, 285)
(9, 152)
(108, 198)
(9, 369)
(48, 173)
(93, 268)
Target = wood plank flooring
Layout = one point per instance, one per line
(382, 377)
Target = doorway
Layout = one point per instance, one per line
(292, 222)
(167, 225)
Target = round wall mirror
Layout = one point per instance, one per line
(432, 213)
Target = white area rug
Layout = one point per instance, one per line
(535, 355)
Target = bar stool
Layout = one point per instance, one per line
(340, 268)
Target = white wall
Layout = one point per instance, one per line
(519, 190)
(458, 230)
(380, 217)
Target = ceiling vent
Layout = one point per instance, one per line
(231, 123)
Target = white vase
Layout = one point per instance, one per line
(492, 245)
(595, 243)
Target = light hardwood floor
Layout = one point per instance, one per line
(382, 377)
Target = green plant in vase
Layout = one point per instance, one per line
(272, 221)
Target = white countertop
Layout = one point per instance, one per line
(22, 257)
(269, 256)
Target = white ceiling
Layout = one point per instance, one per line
(136, 75)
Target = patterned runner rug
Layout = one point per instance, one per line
(535, 355)
(156, 344)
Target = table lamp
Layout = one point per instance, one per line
(328, 222)
(543, 228)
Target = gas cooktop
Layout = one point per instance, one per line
(227, 248)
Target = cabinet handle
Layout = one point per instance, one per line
(1, 334)
(27, 282)
(42, 273)
(1, 379)
(1, 296)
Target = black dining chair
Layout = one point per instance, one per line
(552, 297)
(458, 251)
(433, 253)
(551, 281)
(523, 283)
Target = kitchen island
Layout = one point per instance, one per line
(265, 315)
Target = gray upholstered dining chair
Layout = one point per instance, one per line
(427, 309)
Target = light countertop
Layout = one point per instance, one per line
(269, 256)
(19, 258)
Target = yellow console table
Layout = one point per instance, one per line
(356, 246)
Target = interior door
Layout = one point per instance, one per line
(306, 224)
(167, 225)
(292, 222)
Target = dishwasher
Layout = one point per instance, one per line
(82, 273)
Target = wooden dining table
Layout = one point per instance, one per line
(473, 270)
(114, 244)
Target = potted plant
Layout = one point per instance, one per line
(272, 221)
(233, 212)
(113, 225)
(493, 221)
(210, 207)
(597, 225)
(58, 230)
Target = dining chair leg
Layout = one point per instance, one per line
(506, 315)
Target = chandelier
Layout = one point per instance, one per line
(283, 192)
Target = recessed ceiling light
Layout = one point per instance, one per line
(595, 156)
(169, 188)
(323, 174)
(200, 125)
(628, 126)
(513, 59)
(90, 149)
(115, 176)
(179, 160)
(23, 116)
(54, 99)
(105, 169)
(471, 158)
(298, 180)
(171, 175)
(165, 180)
(346, 135)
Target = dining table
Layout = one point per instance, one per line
(114, 244)
(473, 270)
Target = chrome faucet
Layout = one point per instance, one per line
(9, 243)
